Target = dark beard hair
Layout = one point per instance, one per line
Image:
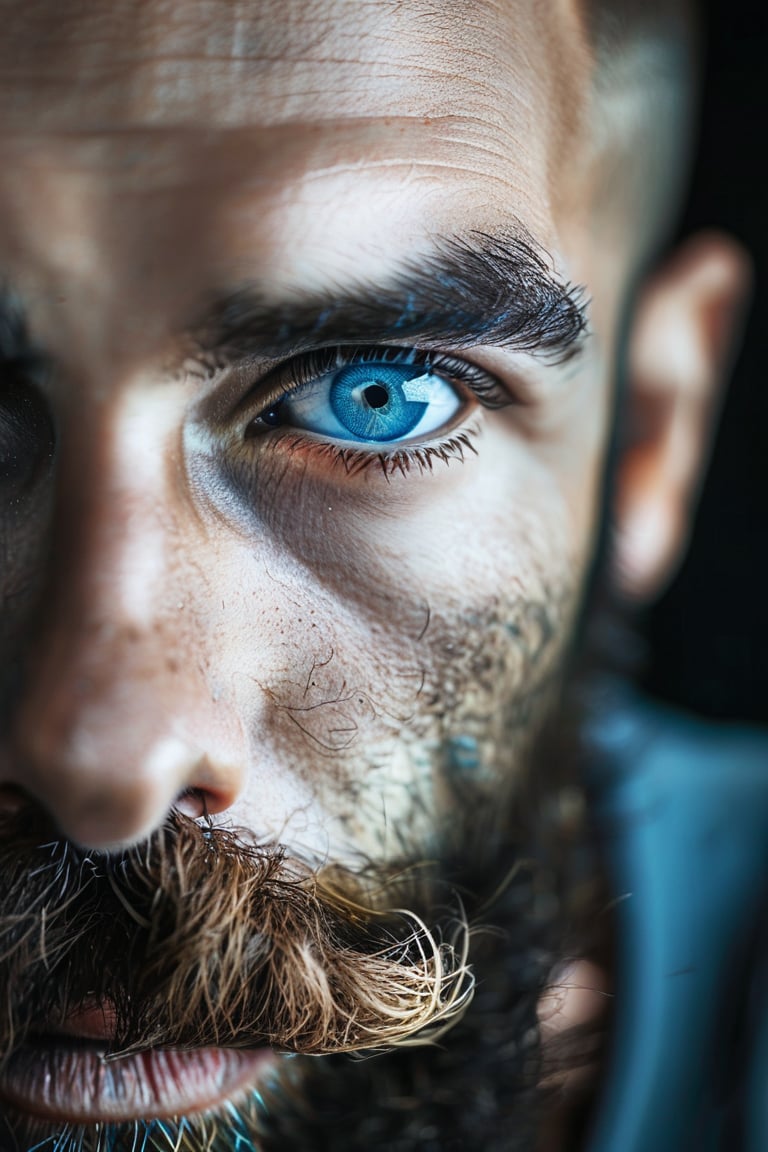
(200, 937)
(489, 1084)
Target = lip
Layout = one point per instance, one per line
(72, 1082)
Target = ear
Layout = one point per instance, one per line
(686, 330)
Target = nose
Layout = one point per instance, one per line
(99, 741)
(114, 724)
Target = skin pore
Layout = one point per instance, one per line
(228, 617)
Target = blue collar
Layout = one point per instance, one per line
(683, 807)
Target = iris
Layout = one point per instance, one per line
(371, 401)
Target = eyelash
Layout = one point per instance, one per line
(402, 458)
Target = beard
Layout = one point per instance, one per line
(202, 938)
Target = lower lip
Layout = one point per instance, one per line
(78, 1085)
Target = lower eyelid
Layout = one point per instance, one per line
(295, 487)
(345, 460)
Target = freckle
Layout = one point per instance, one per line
(172, 665)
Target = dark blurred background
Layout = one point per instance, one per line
(709, 634)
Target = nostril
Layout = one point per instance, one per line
(192, 802)
(105, 793)
(12, 800)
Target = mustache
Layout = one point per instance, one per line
(201, 937)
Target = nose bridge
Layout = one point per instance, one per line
(115, 519)
(108, 586)
(98, 737)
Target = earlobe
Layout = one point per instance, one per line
(686, 330)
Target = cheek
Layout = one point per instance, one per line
(504, 517)
(403, 641)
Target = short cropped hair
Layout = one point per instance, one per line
(645, 80)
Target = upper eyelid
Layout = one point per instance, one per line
(484, 385)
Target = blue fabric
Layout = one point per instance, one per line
(683, 806)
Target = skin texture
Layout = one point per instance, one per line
(279, 643)
(351, 655)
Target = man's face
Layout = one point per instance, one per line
(304, 429)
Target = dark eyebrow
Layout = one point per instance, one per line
(481, 290)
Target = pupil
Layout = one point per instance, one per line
(273, 416)
(376, 396)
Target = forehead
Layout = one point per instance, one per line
(182, 137)
(237, 62)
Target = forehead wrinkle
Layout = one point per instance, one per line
(384, 59)
(152, 155)
(139, 173)
(485, 97)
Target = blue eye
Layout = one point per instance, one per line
(372, 402)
